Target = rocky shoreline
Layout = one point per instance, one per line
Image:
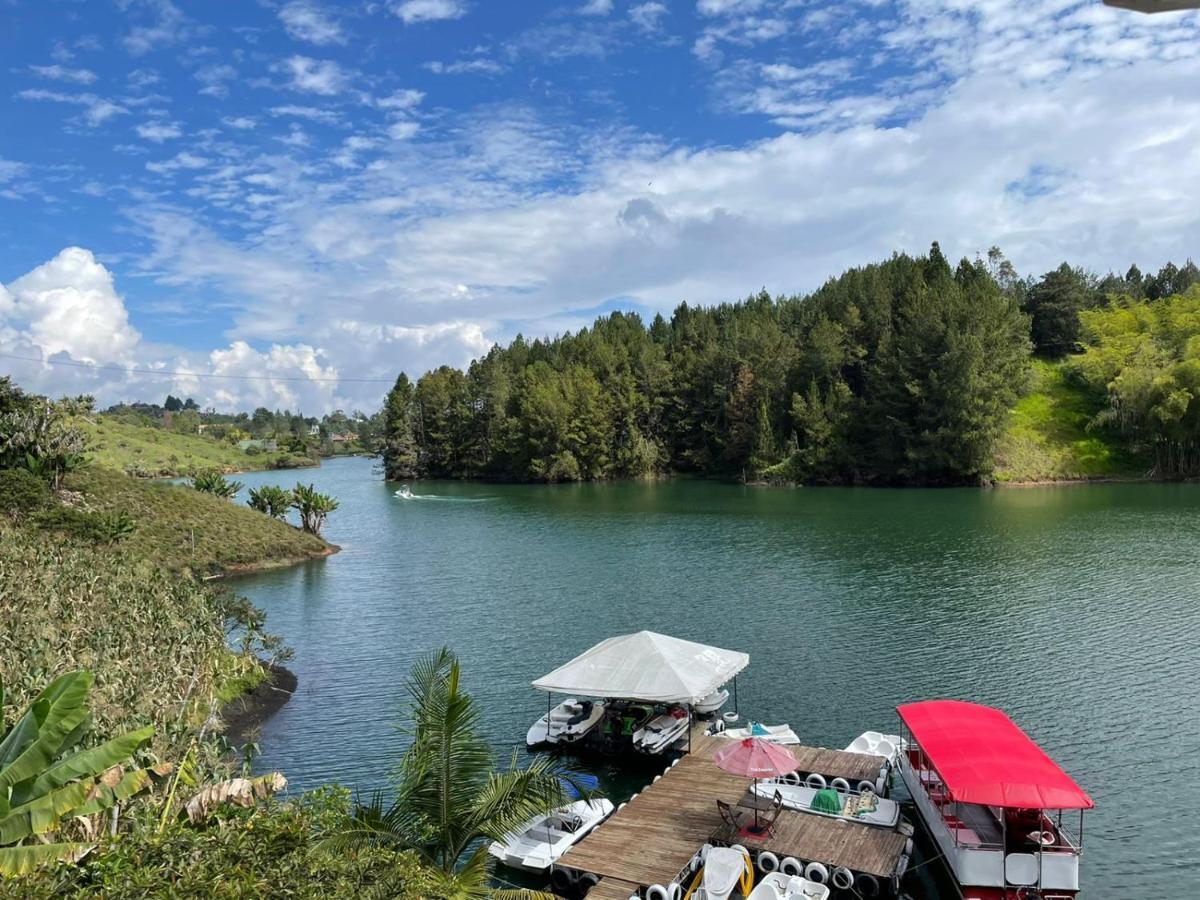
(245, 715)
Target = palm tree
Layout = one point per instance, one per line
(450, 800)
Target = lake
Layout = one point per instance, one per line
(1076, 609)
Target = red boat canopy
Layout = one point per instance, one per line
(984, 758)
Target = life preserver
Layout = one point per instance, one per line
(881, 784)
(864, 786)
(814, 871)
(674, 891)
(561, 880)
(815, 781)
(842, 878)
(768, 862)
(704, 852)
(840, 784)
(908, 847)
(902, 866)
(657, 778)
(791, 866)
(867, 885)
(791, 778)
(586, 882)
(657, 892)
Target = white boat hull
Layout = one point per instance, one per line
(710, 704)
(799, 797)
(776, 734)
(566, 723)
(659, 733)
(536, 845)
(777, 886)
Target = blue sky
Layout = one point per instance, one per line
(323, 191)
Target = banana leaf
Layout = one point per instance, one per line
(54, 715)
(84, 764)
(105, 796)
(16, 861)
(42, 814)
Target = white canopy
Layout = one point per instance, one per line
(646, 666)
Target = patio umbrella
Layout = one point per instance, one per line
(756, 758)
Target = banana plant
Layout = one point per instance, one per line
(42, 783)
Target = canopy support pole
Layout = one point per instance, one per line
(689, 750)
(736, 708)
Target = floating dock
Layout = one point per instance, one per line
(653, 838)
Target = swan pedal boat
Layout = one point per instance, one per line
(725, 870)
(539, 842)
(566, 723)
(800, 797)
(875, 743)
(778, 886)
(776, 734)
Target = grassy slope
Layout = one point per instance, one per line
(227, 535)
(1047, 438)
(153, 451)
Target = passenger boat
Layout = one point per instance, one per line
(712, 703)
(727, 872)
(566, 723)
(992, 801)
(543, 839)
(874, 743)
(662, 731)
(863, 806)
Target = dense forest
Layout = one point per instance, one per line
(900, 372)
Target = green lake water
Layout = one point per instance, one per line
(1075, 609)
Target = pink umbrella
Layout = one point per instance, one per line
(756, 758)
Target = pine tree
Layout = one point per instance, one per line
(400, 450)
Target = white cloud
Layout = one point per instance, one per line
(184, 160)
(215, 79)
(241, 123)
(170, 26)
(596, 8)
(306, 22)
(312, 113)
(465, 67)
(62, 73)
(315, 76)
(159, 131)
(69, 305)
(647, 16)
(401, 100)
(413, 11)
(96, 110)
(402, 131)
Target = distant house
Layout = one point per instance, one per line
(346, 438)
(260, 446)
(314, 430)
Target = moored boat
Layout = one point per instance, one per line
(566, 723)
(776, 734)
(543, 839)
(864, 807)
(777, 886)
(662, 731)
(993, 802)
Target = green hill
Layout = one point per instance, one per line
(181, 528)
(1048, 439)
(148, 451)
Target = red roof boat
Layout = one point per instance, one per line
(993, 801)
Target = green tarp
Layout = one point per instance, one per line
(827, 800)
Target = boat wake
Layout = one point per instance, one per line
(406, 494)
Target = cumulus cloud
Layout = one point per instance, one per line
(306, 22)
(413, 11)
(159, 131)
(241, 123)
(168, 26)
(647, 16)
(57, 72)
(596, 8)
(69, 305)
(315, 76)
(96, 110)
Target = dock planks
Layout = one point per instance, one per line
(654, 837)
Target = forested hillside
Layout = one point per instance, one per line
(900, 372)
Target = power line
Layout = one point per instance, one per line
(177, 374)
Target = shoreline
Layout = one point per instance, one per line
(266, 565)
(245, 715)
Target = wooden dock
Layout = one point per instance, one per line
(653, 838)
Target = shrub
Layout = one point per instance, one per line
(212, 482)
(93, 527)
(271, 500)
(312, 506)
(21, 494)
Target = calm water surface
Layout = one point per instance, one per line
(1076, 609)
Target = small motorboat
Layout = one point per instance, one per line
(709, 705)
(777, 886)
(725, 870)
(874, 743)
(536, 845)
(404, 493)
(566, 723)
(864, 807)
(776, 734)
(662, 731)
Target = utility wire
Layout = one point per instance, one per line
(177, 374)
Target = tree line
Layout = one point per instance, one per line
(898, 372)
